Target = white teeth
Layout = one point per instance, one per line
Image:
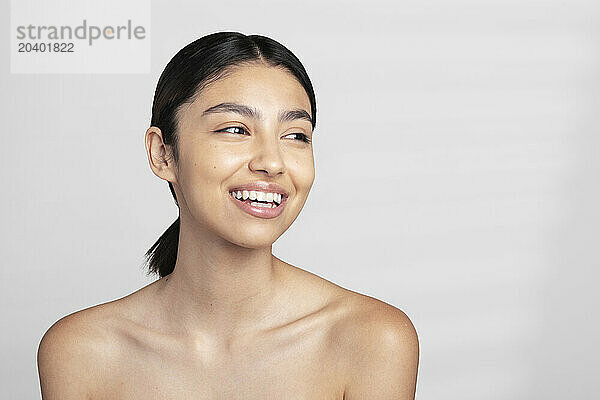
(257, 195)
(265, 205)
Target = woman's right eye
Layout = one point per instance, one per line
(233, 129)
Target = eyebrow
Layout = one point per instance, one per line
(251, 112)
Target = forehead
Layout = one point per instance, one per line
(263, 87)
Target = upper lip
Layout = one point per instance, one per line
(260, 186)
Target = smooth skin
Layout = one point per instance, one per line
(232, 321)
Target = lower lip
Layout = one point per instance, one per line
(260, 212)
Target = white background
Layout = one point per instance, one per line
(457, 179)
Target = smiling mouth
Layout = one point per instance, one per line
(258, 199)
(259, 204)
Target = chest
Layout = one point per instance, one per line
(246, 385)
(291, 368)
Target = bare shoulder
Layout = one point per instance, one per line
(379, 320)
(73, 353)
(361, 317)
(374, 344)
(381, 348)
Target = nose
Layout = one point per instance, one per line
(267, 157)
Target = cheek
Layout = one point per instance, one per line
(302, 171)
(209, 165)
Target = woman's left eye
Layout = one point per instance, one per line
(301, 136)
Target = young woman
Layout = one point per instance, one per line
(231, 132)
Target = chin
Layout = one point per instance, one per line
(253, 243)
(253, 237)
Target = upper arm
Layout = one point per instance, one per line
(67, 362)
(385, 363)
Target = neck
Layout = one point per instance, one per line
(218, 288)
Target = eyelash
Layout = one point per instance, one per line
(303, 137)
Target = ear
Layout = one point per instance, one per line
(159, 155)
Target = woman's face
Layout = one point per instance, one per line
(236, 133)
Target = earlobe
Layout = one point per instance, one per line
(157, 152)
